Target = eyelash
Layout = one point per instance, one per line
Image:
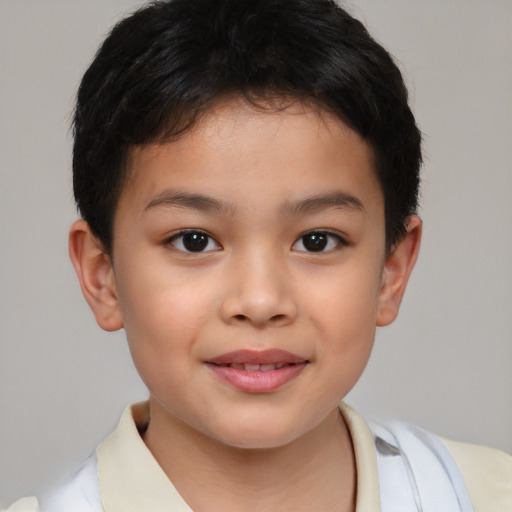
(203, 241)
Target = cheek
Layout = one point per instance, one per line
(345, 301)
(163, 315)
(343, 308)
(161, 295)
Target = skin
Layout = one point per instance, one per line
(256, 286)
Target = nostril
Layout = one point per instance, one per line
(278, 318)
(240, 317)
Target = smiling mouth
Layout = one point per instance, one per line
(257, 371)
(256, 367)
(257, 360)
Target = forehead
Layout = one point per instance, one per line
(280, 153)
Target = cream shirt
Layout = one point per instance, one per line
(130, 479)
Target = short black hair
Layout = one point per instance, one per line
(163, 66)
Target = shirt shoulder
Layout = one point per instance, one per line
(487, 473)
(29, 504)
(80, 494)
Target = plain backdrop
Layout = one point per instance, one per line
(446, 364)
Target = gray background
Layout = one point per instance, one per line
(445, 364)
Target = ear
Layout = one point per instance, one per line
(96, 275)
(397, 269)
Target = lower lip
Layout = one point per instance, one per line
(258, 382)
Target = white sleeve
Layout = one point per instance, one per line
(80, 494)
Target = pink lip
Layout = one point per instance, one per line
(271, 356)
(257, 381)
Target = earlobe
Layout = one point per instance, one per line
(96, 276)
(397, 270)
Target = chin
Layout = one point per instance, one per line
(259, 436)
(257, 443)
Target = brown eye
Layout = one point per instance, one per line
(194, 241)
(315, 242)
(318, 241)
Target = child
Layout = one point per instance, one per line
(247, 174)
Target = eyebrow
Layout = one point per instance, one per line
(314, 204)
(208, 204)
(190, 200)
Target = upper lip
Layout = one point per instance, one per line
(271, 356)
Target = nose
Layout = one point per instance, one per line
(258, 293)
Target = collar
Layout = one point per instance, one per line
(131, 479)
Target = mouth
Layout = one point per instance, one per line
(256, 367)
(257, 371)
(261, 358)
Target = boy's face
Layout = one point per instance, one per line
(257, 239)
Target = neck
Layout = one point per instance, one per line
(314, 472)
